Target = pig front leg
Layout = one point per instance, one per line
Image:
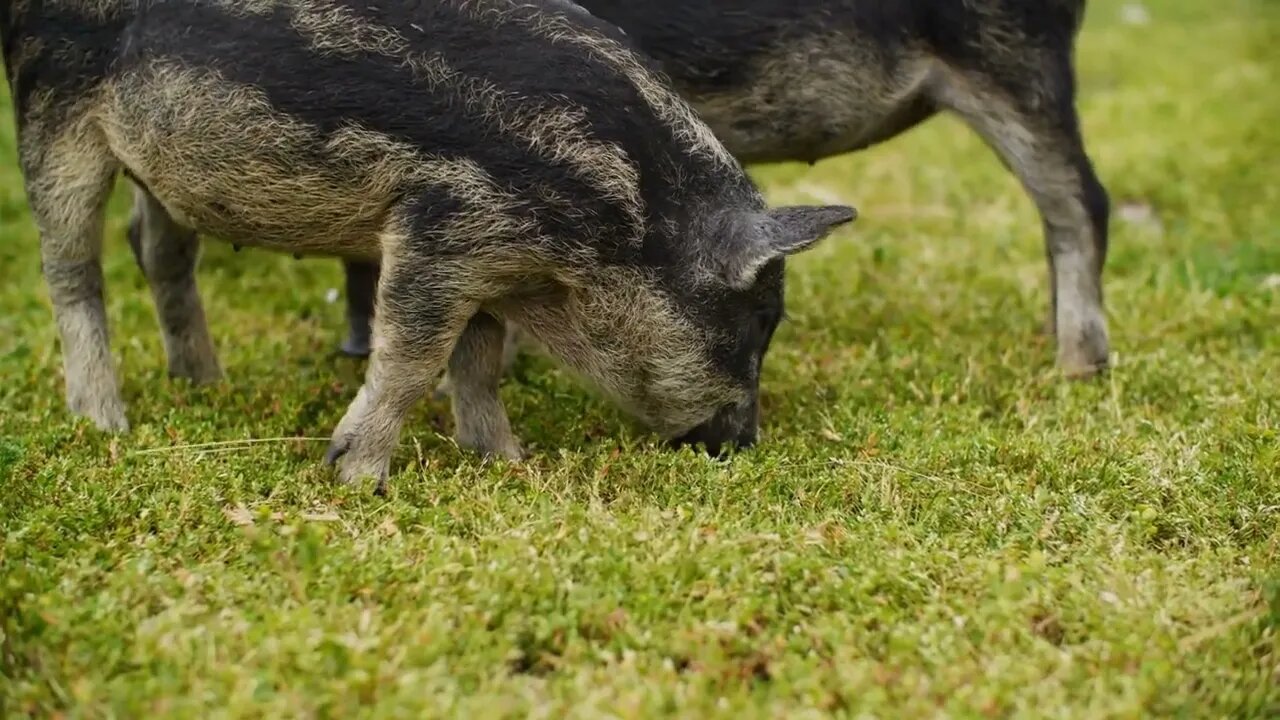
(362, 285)
(510, 349)
(421, 316)
(475, 371)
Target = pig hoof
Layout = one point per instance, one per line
(107, 416)
(199, 372)
(508, 450)
(354, 466)
(354, 470)
(337, 448)
(1086, 356)
(355, 347)
(1083, 372)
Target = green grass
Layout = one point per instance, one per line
(934, 523)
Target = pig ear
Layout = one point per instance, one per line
(775, 233)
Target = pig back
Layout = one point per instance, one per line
(300, 124)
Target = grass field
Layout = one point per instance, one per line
(934, 523)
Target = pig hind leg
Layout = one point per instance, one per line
(420, 317)
(167, 254)
(68, 176)
(1027, 114)
(475, 371)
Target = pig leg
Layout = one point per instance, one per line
(420, 317)
(510, 350)
(362, 281)
(167, 254)
(1034, 127)
(510, 347)
(67, 183)
(362, 284)
(475, 370)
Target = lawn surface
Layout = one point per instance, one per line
(934, 523)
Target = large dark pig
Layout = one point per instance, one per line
(505, 161)
(807, 79)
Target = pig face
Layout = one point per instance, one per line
(747, 306)
(681, 346)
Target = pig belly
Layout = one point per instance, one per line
(807, 105)
(223, 162)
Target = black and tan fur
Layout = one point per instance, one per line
(807, 79)
(504, 161)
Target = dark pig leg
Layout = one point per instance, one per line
(362, 284)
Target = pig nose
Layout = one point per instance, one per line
(716, 445)
(690, 439)
(712, 445)
(734, 426)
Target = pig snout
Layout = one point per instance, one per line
(733, 426)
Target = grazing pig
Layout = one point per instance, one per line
(505, 161)
(807, 79)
